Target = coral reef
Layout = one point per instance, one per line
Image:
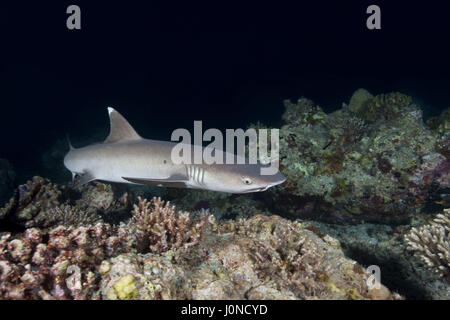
(221, 205)
(371, 161)
(358, 99)
(442, 127)
(343, 168)
(444, 123)
(385, 246)
(64, 215)
(431, 243)
(61, 267)
(257, 258)
(383, 106)
(40, 203)
(36, 196)
(111, 202)
(159, 227)
(164, 254)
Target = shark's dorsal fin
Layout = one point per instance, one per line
(120, 129)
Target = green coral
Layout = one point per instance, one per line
(124, 289)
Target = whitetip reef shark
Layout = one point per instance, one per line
(126, 157)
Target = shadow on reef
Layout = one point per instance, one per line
(392, 274)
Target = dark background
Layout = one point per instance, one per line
(164, 64)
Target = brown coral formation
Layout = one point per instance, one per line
(64, 215)
(257, 258)
(36, 196)
(188, 258)
(64, 266)
(159, 227)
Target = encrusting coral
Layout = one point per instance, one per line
(431, 243)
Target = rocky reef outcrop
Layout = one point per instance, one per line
(373, 161)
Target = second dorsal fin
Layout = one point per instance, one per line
(120, 129)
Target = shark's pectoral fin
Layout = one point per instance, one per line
(82, 179)
(176, 181)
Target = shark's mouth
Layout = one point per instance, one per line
(259, 189)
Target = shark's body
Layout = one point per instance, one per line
(128, 158)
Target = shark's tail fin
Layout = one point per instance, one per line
(68, 142)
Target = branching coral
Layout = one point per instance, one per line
(159, 227)
(298, 260)
(431, 243)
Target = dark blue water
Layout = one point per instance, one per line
(165, 65)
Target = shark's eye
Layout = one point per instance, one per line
(247, 180)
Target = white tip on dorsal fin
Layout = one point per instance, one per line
(120, 129)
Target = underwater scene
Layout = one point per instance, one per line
(114, 186)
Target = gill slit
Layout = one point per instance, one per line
(196, 174)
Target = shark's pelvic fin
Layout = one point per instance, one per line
(120, 129)
(176, 181)
(84, 178)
